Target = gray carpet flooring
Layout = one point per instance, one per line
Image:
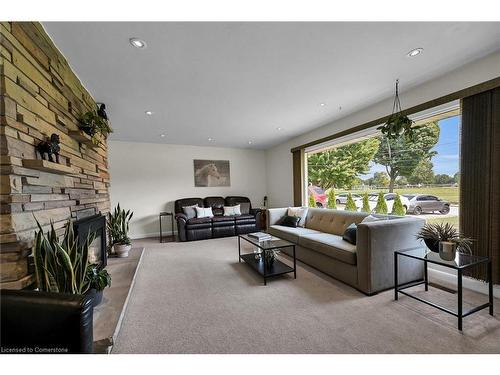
(196, 298)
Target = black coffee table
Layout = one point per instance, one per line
(259, 265)
(461, 263)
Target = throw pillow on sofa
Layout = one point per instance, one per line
(202, 212)
(232, 210)
(350, 234)
(245, 208)
(300, 212)
(190, 211)
(290, 221)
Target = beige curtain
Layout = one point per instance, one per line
(480, 177)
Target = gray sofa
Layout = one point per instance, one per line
(367, 266)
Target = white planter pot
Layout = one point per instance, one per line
(121, 251)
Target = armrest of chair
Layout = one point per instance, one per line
(58, 321)
(274, 214)
(181, 226)
(376, 243)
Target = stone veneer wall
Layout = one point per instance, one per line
(40, 95)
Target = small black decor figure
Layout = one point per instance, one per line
(102, 111)
(49, 147)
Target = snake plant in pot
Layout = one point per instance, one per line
(61, 265)
(118, 226)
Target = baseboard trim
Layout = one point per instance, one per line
(468, 283)
(150, 235)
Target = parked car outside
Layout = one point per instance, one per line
(342, 198)
(319, 195)
(389, 200)
(424, 203)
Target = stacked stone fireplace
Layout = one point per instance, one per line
(40, 95)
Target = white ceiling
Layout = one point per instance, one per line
(236, 82)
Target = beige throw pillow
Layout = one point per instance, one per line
(299, 212)
(202, 212)
(232, 210)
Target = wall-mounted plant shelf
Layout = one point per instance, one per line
(47, 166)
(82, 137)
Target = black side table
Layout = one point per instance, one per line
(172, 220)
(461, 262)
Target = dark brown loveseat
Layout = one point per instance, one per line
(219, 225)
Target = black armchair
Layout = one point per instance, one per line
(40, 322)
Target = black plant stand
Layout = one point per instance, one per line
(461, 262)
(172, 220)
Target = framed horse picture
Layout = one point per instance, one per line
(210, 173)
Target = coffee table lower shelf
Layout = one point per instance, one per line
(278, 267)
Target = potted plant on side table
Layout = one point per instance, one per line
(98, 280)
(445, 239)
(118, 226)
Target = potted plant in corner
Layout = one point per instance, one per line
(118, 226)
(98, 279)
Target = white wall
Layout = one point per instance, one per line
(279, 158)
(147, 178)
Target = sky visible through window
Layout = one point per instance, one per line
(447, 159)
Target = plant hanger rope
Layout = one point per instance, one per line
(397, 104)
(398, 124)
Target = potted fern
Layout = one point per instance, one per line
(118, 227)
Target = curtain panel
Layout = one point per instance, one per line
(480, 177)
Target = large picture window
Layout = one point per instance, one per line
(369, 172)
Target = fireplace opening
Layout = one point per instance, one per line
(97, 250)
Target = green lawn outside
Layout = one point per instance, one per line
(452, 220)
(449, 193)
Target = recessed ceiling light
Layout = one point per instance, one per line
(137, 43)
(279, 128)
(210, 139)
(162, 135)
(149, 113)
(415, 52)
(322, 104)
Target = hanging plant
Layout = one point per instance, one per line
(94, 125)
(398, 124)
